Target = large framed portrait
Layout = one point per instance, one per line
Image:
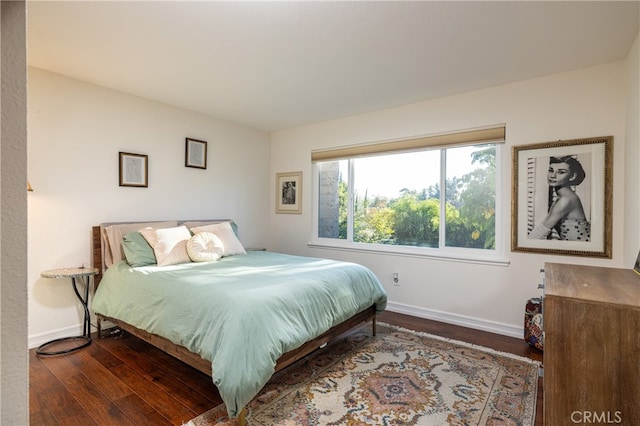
(289, 192)
(562, 197)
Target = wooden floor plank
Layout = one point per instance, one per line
(146, 386)
(195, 379)
(64, 408)
(137, 358)
(109, 384)
(146, 389)
(194, 389)
(470, 335)
(96, 404)
(141, 413)
(39, 414)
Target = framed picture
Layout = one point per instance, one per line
(289, 192)
(562, 197)
(133, 169)
(195, 154)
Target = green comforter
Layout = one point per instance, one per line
(242, 312)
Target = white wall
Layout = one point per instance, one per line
(75, 133)
(584, 103)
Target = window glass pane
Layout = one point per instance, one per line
(396, 199)
(470, 197)
(332, 199)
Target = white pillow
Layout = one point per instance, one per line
(230, 243)
(169, 244)
(205, 247)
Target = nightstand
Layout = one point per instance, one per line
(76, 274)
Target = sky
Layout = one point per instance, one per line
(383, 177)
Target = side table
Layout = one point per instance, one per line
(76, 274)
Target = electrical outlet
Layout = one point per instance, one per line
(396, 279)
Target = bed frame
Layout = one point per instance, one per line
(195, 360)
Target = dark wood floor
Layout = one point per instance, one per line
(121, 381)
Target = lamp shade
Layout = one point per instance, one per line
(29, 188)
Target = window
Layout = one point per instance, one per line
(438, 197)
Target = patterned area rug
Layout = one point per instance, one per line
(399, 377)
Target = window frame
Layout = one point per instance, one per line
(494, 256)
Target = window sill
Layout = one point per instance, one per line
(458, 255)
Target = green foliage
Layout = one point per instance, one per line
(415, 221)
(374, 227)
(414, 217)
(343, 197)
(478, 201)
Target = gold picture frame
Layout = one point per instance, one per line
(562, 197)
(289, 192)
(133, 169)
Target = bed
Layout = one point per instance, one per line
(239, 318)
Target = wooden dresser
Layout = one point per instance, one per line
(591, 346)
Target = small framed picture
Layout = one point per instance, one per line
(562, 197)
(195, 154)
(289, 192)
(133, 169)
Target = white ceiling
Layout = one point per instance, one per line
(277, 65)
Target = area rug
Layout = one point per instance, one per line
(398, 377)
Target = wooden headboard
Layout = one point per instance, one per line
(96, 253)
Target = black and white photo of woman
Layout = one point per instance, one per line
(289, 192)
(565, 217)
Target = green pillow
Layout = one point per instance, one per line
(137, 250)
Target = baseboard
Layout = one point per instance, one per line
(36, 340)
(461, 320)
